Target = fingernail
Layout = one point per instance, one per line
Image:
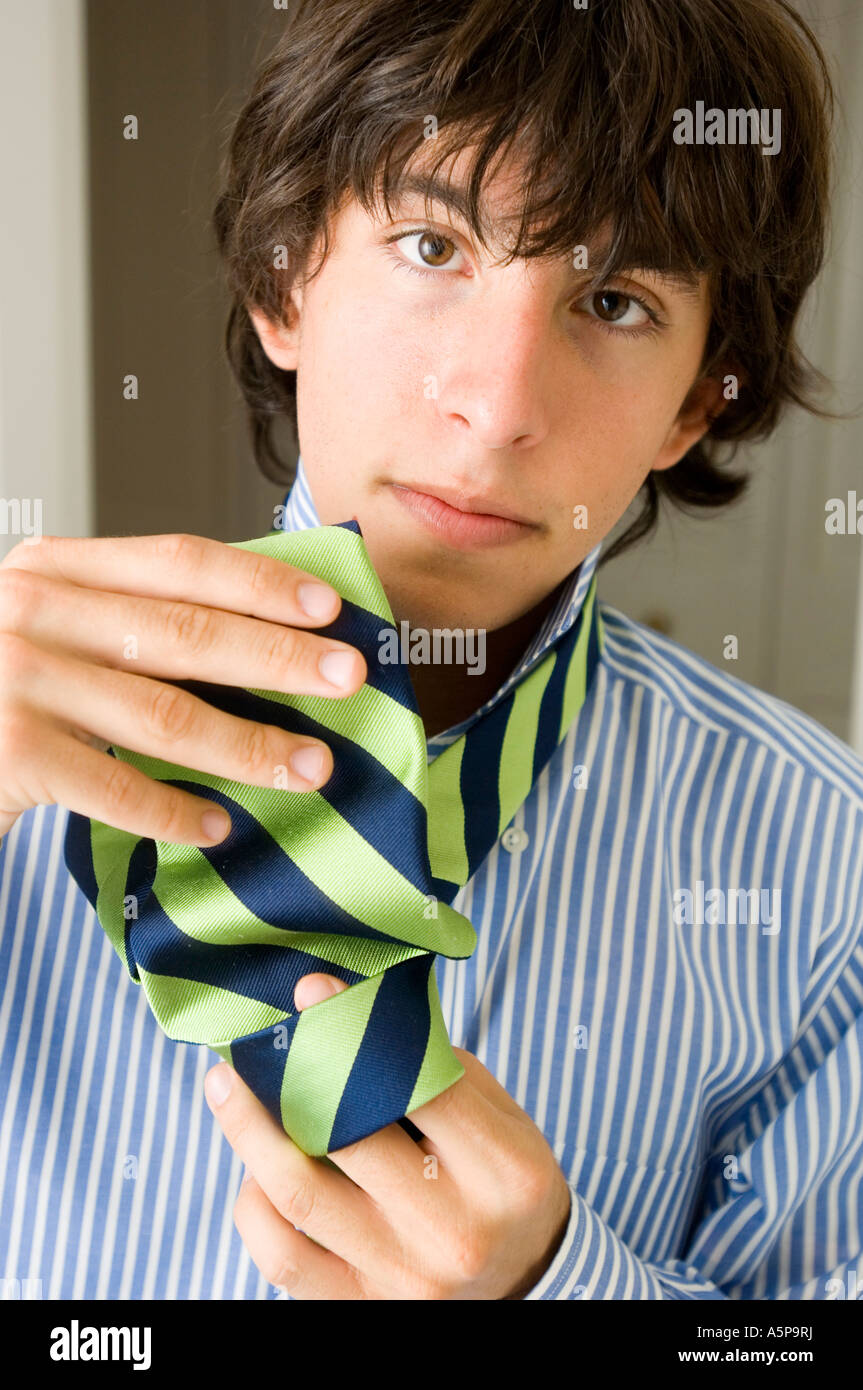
(337, 668)
(317, 600)
(309, 763)
(217, 1084)
(215, 825)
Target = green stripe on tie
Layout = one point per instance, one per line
(112, 849)
(186, 1009)
(515, 774)
(440, 1068)
(340, 559)
(447, 851)
(380, 715)
(574, 686)
(319, 1063)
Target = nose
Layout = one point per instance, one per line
(494, 381)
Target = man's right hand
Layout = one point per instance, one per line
(192, 609)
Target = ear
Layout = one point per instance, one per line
(703, 403)
(280, 341)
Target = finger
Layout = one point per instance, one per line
(315, 1198)
(165, 721)
(194, 569)
(314, 989)
(472, 1134)
(286, 1257)
(485, 1082)
(176, 639)
(64, 770)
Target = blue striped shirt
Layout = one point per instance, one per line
(668, 979)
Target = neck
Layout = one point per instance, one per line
(448, 694)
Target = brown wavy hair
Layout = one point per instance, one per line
(586, 98)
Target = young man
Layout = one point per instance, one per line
(562, 301)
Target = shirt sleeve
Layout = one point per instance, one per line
(779, 1214)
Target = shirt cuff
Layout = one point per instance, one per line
(554, 1283)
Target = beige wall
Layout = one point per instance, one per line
(176, 459)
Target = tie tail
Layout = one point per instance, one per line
(363, 1059)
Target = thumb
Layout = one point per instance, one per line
(314, 989)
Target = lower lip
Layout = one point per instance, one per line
(463, 530)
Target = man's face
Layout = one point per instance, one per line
(434, 382)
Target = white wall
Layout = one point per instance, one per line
(45, 450)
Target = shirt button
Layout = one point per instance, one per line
(514, 840)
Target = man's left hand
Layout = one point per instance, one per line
(475, 1210)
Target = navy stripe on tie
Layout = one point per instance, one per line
(139, 885)
(78, 852)
(479, 782)
(443, 890)
(267, 881)
(550, 707)
(391, 1052)
(593, 652)
(265, 973)
(261, 1063)
(361, 789)
(363, 630)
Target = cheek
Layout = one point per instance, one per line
(359, 360)
(619, 422)
(616, 428)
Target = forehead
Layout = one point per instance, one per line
(497, 207)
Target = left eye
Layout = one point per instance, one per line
(429, 250)
(615, 307)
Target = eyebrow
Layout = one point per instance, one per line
(454, 197)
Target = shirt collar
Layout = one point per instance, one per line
(300, 513)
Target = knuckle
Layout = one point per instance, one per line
(16, 658)
(122, 789)
(259, 577)
(296, 1202)
(281, 648)
(23, 554)
(529, 1184)
(21, 597)
(190, 628)
(174, 817)
(170, 713)
(276, 1265)
(256, 750)
(281, 1271)
(468, 1256)
(180, 551)
(16, 553)
(20, 740)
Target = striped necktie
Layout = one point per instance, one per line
(356, 879)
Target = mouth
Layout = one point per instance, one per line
(464, 523)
